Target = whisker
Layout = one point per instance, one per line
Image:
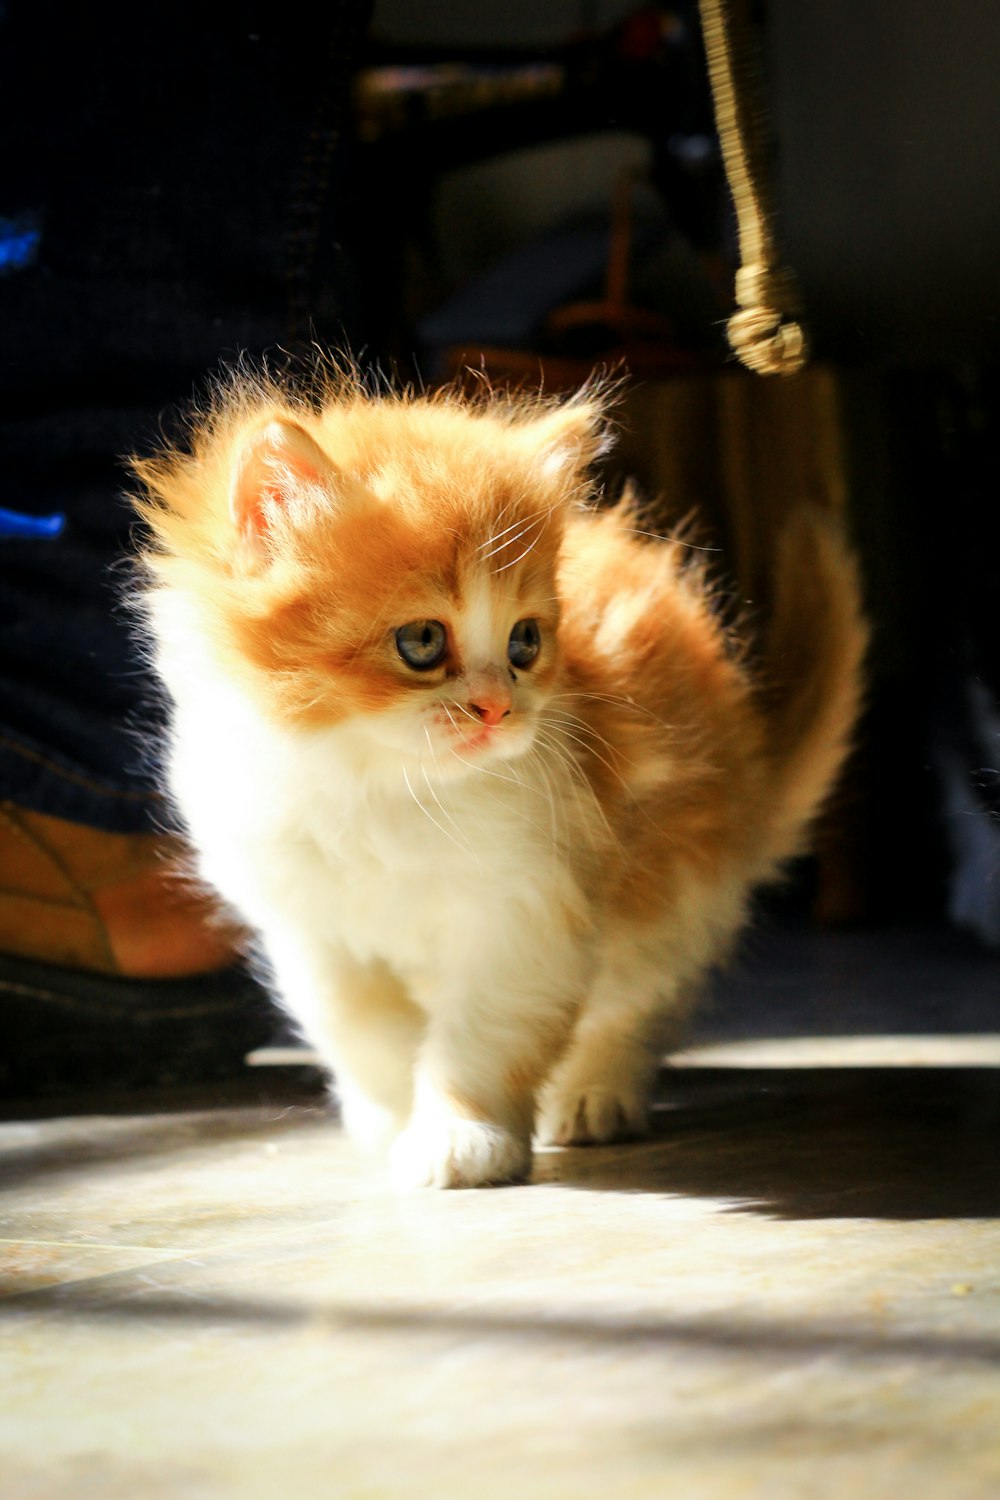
(446, 814)
(553, 792)
(462, 710)
(563, 716)
(677, 541)
(513, 780)
(518, 807)
(496, 534)
(513, 541)
(495, 541)
(560, 728)
(431, 819)
(616, 700)
(561, 754)
(521, 555)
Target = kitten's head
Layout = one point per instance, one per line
(384, 564)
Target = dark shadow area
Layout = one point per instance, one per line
(792, 980)
(101, 1299)
(148, 1124)
(894, 1143)
(250, 1088)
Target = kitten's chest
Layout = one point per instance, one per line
(397, 883)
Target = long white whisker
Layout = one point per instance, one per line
(431, 819)
(552, 791)
(462, 710)
(677, 541)
(616, 700)
(462, 841)
(512, 780)
(564, 717)
(470, 766)
(518, 808)
(430, 786)
(465, 765)
(520, 556)
(560, 728)
(496, 540)
(494, 536)
(513, 540)
(561, 754)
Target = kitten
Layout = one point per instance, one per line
(477, 762)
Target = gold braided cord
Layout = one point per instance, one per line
(763, 334)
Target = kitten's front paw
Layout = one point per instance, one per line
(587, 1114)
(453, 1152)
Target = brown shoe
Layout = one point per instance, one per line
(114, 972)
(110, 903)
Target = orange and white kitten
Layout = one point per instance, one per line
(477, 762)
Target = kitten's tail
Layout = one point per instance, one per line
(815, 647)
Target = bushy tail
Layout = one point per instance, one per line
(812, 687)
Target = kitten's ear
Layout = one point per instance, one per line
(274, 467)
(570, 437)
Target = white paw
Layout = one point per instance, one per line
(449, 1151)
(585, 1114)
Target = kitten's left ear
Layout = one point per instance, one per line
(274, 467)
(570, 437)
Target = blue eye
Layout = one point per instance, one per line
(524, 644)
(423, 644)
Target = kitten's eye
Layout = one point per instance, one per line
(524, 644)
(423, 644)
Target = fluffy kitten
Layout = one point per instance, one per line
(477, 762)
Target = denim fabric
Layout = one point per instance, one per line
(168, 202)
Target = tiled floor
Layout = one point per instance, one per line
(793, 1290)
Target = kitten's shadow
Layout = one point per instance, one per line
(899, 1143)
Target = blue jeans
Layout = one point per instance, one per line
(168, 200)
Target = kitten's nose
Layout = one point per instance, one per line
(491, 710)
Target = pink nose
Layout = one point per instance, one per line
(491, 710)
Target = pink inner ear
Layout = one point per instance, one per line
(274, 466)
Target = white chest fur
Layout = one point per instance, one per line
(289, 829)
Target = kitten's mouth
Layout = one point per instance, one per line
(476, 740)
(486, 734)
(470, 741)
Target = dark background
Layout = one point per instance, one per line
(471, 226)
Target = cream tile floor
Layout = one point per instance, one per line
(792, 1290)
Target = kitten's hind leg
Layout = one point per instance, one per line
(600, 1089)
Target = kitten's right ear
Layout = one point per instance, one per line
(571, 436)
(274, 468)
